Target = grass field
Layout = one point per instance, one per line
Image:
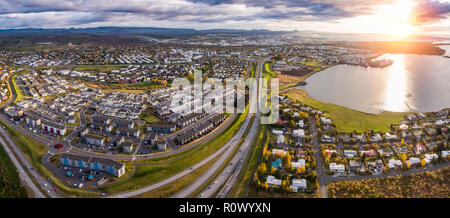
(149, 174)
(10, 184)
(150, 117)
(267, 71)
(34, 152)
(19, 95)
(432, 184)
(347, 119)
(178, 185)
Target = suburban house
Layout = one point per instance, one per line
(337, 168)
(271, 181)
(298, 184)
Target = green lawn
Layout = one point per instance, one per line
(149, 174)
(347, 119)
(10, 185)
(150, 117)
(178, 185)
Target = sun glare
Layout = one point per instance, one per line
(396, 18)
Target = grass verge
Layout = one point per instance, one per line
(10, 185)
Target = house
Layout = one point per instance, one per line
(71, 119)
(369, 153)
(94, 140)
(386, 152)
(350, 153)
(54, 128)
(299, 164)
(91, 163)
(444, 154)
(124, 124)
(102, 127)
(390, 137)
(430, 157)
(327, 139)
(119, 141)
(33, 120)
(159, 143)
(337, 168)
(376, 138)
(354, 165)
(127, 147)
(325, 120)
(298, 184)
(280, 139)
(361, 138)
(99, 119)
(413, 161)
(299, 133)
(186, 137)
(394, 163)
(403, 127)
(272, 181)
(129, 132)
(277, 132)
(301, 123)
(419, 148)
(161, 128)
(14, 111)
(344, 138)
(279, 152)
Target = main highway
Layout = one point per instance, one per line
(230, 173)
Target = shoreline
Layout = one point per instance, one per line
(303, 78)
(384, 111)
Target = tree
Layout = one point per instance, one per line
(287, 162)
(422, 162)
(262, 168)
(272, 170)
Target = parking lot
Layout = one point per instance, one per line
(82, 178)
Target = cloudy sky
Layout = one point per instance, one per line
(399, 17)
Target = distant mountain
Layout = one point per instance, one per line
(130, 31)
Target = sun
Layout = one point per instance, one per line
(397, 18)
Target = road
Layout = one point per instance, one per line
(225, 180)
(26, 180)
(42, 182)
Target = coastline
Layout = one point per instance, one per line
(303, 78)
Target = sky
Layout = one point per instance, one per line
(396, 17)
